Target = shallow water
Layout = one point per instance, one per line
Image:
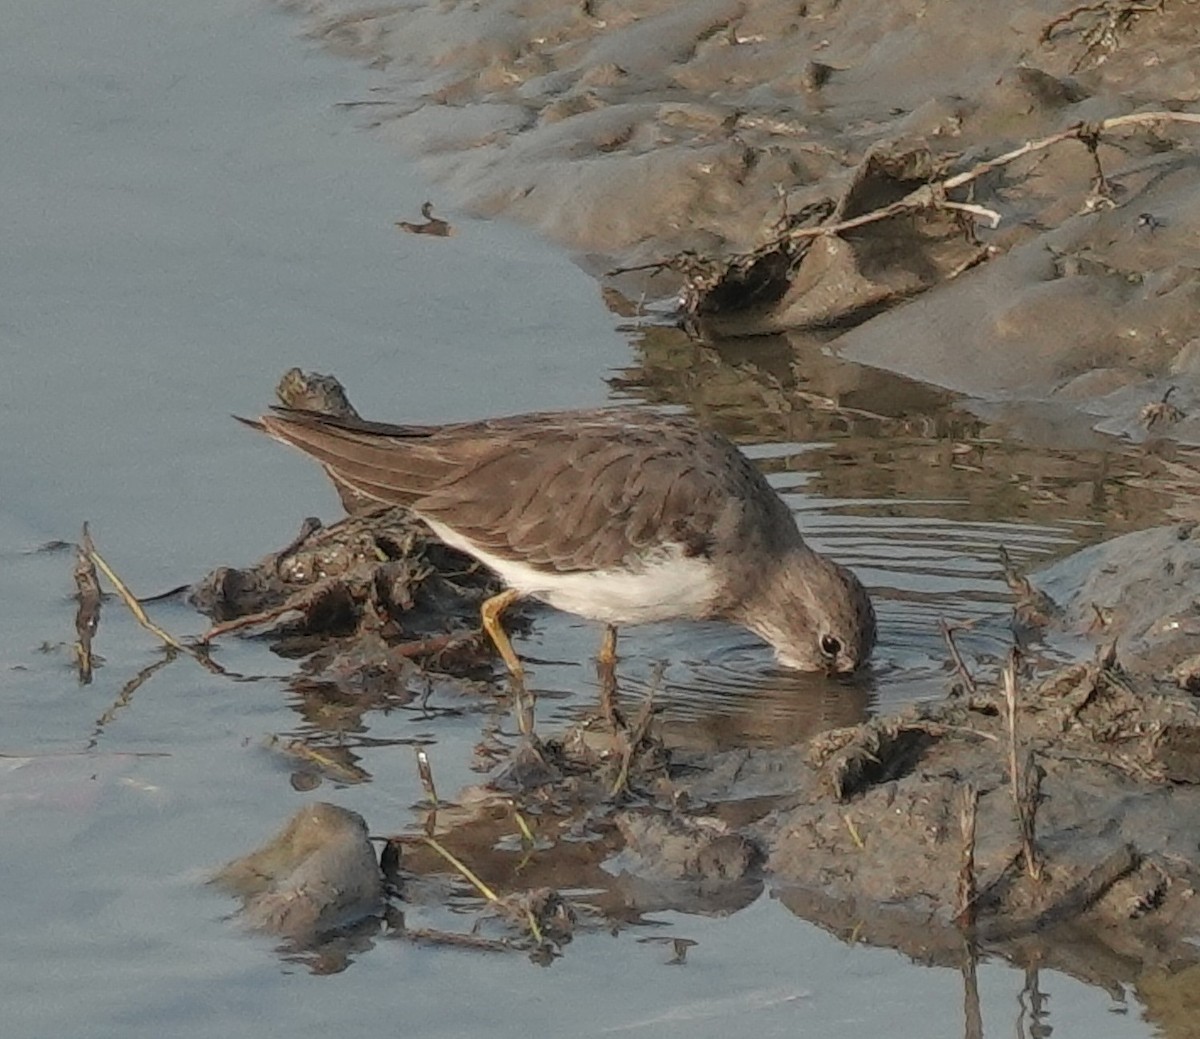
(188, 215)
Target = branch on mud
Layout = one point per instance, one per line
(814, 270)
(1103, 35)
(968, 889)
(933, 195)
(929, 196)
(1024, 777)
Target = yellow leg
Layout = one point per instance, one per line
(607, 657)
(606, 669)
(491, 610)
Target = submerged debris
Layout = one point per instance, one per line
(432, 225)
(1033, 609)
(87, 617)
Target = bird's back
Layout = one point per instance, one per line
(562, 491)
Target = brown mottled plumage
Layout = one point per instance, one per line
(619, 515)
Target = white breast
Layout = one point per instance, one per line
(665, 586)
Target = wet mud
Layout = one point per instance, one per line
(1037, 811)
(1003, 207)
(907, 829)
(316, 876)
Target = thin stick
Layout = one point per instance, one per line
(414, 648)
(139, 614)
(1024, 793)
(482, 888)
(248, 620)
(461, 867)
(534, 928)
(989, 216)
(135, 607)
(523, 826)
(932, 196)
(426, 773)
(959, 664)
(87, 617)
(1010, 702)
(854, 834)
(968, 811)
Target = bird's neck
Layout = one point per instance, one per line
(771, 587)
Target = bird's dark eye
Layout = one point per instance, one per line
(830, 646)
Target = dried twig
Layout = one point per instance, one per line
(135, 607)
(530, 916)
(968, 810)
(462, 869)
(933, 196)
(960, 666)
(295, 603)
(139, 614)
(87, 617)
(527, 837)
(426, 773)
(1024, 777)
(246, 620)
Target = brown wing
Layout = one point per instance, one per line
(394, 465)
(567, 491)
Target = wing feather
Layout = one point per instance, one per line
(566, 491)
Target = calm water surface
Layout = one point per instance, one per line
(186, 215)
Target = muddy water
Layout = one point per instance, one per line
(187, 214)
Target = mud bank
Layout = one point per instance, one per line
(1050, 814)
(1051, 819)
(1048, 821)
(704, 137)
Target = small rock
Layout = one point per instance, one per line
(316, 875)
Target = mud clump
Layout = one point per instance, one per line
(873, 837)
(908, 831)
(316, 876)
(376, 603)
(1142, 589)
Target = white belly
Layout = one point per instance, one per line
(667, 586)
